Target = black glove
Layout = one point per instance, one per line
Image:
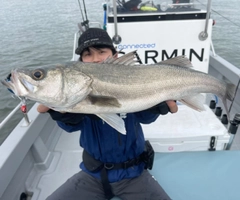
(67, 118)
(70, 118)
(161, 108)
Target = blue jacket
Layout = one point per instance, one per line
(107, 145)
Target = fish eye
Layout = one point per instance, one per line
(38, 74)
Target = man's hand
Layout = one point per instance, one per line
(42, 109)
(172, 106)
(164, 107)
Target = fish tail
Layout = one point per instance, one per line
(230, 94)
(231, 90)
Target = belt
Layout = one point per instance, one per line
(94, 165)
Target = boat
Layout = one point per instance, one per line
(195, 154)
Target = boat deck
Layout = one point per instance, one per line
(67, 156)
(199, 175)
(184, 175)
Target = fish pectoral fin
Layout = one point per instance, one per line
(114, 121)
(104, 101)
(181, 61)
(194, 102)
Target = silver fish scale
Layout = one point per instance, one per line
(117, 88)
(106, 88)
(138, 87)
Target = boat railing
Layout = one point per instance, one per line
(21, 140)
(19, 114)
(22, 105)
(156, 7)
(9, 116)
(230, 71)
(76, 36)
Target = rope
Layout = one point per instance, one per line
(221, 15)
(226, 18)
(85, 10)
(85, 22)
(80, 9)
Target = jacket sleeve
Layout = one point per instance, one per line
(150, 115)
(69, 122)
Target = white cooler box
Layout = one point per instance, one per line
(187, 130)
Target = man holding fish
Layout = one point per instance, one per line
(105, 146)
(107, 98)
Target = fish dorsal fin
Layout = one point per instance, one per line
(114, 121)
(109, 59)
(127, 59)
(181, 61)
(104, 101)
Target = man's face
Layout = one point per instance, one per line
(94, 55)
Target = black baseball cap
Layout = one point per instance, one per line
(93, 37)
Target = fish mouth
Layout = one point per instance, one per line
(8, 82)
(17, 85)
(28, 86)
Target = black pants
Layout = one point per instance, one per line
(82, 186)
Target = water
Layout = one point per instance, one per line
(36, 32)
(226, 35)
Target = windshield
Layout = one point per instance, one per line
(157, 6)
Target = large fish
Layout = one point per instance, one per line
(116, 86)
